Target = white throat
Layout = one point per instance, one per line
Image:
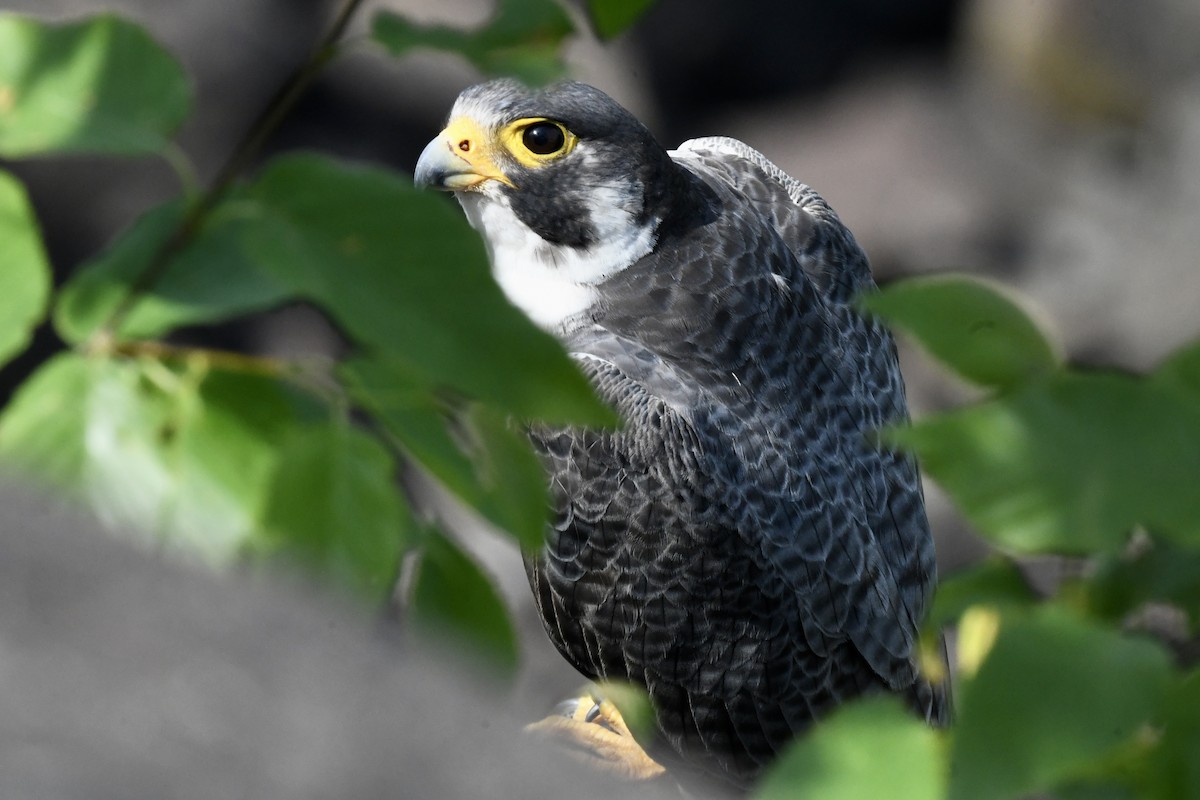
(555, 284)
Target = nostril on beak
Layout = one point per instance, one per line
(465, 145)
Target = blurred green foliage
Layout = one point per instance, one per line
(610, 18)
(240, 458)
(523, 39)
(25, 277)
(99, 85)
(1071, 695)
(869, 749)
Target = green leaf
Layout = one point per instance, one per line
(218, 463)
(402, 273)
(995, 582)
(1164, 572)
(970, 326)
(411, 412)
(453, 598)
(869, 748)
(99, 85)
(43, 430)
(633, 702)
(473, 452)
(182, 456)
(1172, 770)
(1091, 790)
(24, 270)
(514, 480)
(523, 39)
(1181, 373)
(208, 280)
(1054, 697)
(1069, 464)
(335, 506)
(612, 17)
(225, 452)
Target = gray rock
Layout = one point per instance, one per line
(126, 675)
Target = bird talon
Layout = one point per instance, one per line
(594, 732)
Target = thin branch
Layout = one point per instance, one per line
(312, 374)
(252, 142)
(224, 360)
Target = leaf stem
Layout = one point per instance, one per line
(314, 375)
(184, 169)
(248, 148)
(225, 360)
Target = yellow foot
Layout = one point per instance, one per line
(594, 732)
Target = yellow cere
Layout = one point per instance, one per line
(468, 141)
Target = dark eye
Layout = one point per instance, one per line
(543, 138)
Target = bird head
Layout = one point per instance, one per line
(565, 185)
(562, 157)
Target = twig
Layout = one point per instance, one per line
(313, 375)
(225, 360)
(263, 127)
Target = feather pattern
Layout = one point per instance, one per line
(740, 547)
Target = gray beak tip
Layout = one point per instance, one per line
(431, 172)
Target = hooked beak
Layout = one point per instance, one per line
(458, 159)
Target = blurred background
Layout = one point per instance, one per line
(1053, 145)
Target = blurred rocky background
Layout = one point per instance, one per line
(127, 676)
(1053, 145)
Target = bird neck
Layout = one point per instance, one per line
(555, 284)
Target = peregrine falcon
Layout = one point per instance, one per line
(739, 547)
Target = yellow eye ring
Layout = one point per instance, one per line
(534, 141)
